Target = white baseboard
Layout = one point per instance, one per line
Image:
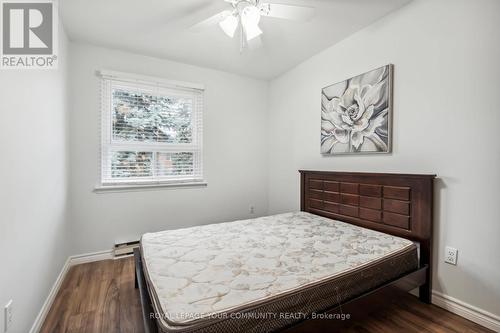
(37, 325)
(71, 261)
(446, 302)
(475, 314)
(91, 257)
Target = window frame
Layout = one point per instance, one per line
(111, 81)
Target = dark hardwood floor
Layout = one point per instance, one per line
(100, 297)
(97, 297)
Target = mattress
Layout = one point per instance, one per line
(264, 274)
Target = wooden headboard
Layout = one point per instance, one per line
(396, 204)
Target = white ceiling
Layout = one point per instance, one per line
(160, 28)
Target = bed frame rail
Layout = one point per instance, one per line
(363, 305)
(148, 314)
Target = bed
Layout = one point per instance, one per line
(352, 245)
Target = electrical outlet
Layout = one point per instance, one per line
(450, 255)
(8, 315)
(252, 209)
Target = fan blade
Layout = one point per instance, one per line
(211, 21)
(290, 12)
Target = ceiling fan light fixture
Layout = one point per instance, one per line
(250, 18)
(229, 25)
(252, 31)
(250, 15)
(245, 16)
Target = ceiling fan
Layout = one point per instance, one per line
(246, 15)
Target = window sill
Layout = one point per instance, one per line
(146, 187)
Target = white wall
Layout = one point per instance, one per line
(235, 159)
(33, 188)
(447, 80)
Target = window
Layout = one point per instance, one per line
(151, 131)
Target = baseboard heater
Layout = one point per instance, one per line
(125, 249)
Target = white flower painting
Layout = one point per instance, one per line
(356, 114)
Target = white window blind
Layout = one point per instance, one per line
(151, 131)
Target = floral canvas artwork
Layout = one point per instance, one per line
(356, 114)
